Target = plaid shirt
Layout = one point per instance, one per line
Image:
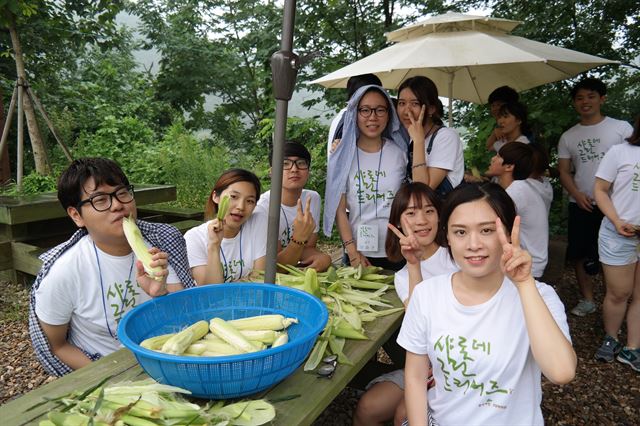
(160, 235)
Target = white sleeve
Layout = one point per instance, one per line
(555, 306)
(626, 130)
(414, 330)
(563, 148)
(401, 284)
(445, 149)
(517, 195)
(315, 209)
(608, 168)
(196, 239)
(54, 298)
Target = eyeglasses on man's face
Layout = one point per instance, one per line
(301, 164)
(101, 202)
(379, 111)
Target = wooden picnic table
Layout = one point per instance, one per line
(316, 393)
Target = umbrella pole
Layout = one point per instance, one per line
(451, 75)
(284, 68)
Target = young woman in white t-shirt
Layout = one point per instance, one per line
(512, 126)
(437, 154)
(414, 225)
(229, 249)
(617, 192)
(490, 329)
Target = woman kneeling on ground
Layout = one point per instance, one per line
(414, 221)
(229, 249)
(490, 329)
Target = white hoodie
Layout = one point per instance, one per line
(532, 198)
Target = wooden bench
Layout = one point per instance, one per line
(169, 212)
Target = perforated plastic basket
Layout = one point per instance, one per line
(228, 376)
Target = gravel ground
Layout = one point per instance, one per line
(600, 394)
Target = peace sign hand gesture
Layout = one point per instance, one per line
(416, 131)
(303, 223)
(515, 262)
(409, 246)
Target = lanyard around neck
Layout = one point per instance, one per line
(377, 177)
(126, 290)
(224, 258)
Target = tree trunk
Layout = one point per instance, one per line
(5, 165)
(37, 144)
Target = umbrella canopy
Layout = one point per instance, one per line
(467, 57)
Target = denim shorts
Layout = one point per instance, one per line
(614, 249)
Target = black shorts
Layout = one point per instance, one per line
(583, 232)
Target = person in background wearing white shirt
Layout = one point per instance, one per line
(299, 211)
(337, 124)
(490, 329)
(513, 125)
(414, 225)
(89, 282)
(229, 249)
(497, 98)
(513, 166)
(436, 152)
(617, 192)
(581, 149)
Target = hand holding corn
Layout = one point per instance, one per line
(155, 285)
(216, 226)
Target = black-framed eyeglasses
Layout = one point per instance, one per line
(102, 202)
(366, 111)
(300, 163)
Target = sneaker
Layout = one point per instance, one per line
(584, 307)
(608, 350)
(630, 357)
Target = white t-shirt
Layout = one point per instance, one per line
(90, 298)
(237, 254)
(484, 370)
(532, 205)
(585, 146)
(447, 153)
(370, 193)
(439, 263)
(502, 142)
(621, 167)
(288, 213)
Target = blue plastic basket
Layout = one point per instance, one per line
(228, 376)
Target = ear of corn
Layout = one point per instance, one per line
(274, 322)
(231, 335)
(155, 343)
(136, 241)
(281, 339)
(177, 344)
(223, 207)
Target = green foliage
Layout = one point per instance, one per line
(32, 183)
(191, 165)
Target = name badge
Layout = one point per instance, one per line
(367, 238)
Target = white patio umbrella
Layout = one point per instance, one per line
(467, 57)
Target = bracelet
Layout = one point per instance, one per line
(419, 165)
(298, 242)
(346, 243)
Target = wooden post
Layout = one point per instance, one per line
(5, 123)
(20, 149)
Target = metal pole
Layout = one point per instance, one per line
(8, 118)
(284, 68)
(20, 162)
(451, 75)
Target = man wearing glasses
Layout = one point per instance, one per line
(89, 282)
(299, 212)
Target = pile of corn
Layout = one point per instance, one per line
(351, 295)
(222, 338)
(147, 403)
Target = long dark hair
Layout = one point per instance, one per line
(492, 193)
(227, 178)
(426, 92)
(416, 190)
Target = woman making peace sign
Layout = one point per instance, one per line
(489, 329)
